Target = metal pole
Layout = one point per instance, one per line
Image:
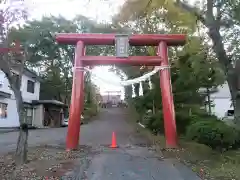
(167, 99)
(77, 99)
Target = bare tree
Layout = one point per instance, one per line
(12, 62)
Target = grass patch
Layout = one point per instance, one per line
(209, 164)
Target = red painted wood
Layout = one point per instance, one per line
(134, 40)
(167, 99)
(131, 60)
(77, 99)
(160, 40)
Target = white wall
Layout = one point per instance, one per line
(221, 100)
(221, 106)
(223, 92)
(27, 97)
(38, 117)
(12, 116)
(4, 83)
(111, 97)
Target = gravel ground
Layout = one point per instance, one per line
(45, 162)
(133, 159)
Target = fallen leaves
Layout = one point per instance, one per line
(49, 162)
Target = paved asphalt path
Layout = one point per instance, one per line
(133, 160)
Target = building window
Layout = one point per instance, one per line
(230, 113)
(30, 86)
(3, 110)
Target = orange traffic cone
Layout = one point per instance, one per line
(114, 141)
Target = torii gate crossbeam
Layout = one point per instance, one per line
(160, 40)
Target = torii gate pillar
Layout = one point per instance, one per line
(167, 98)
(77, 99)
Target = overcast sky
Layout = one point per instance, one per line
(100, 10)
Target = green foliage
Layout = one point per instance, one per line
(142, 104)
(154, 122)
(52, 61)
(186, 83)
(173, 18)
(213, 133)
(201, 115)
(89, 112)
(192, 67)
(183, 120)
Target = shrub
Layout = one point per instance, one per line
(88, 112)
(92, 111)
(201, 116)
(154, 122)
(213, 133)
(183, 120)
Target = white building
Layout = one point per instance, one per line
(221, 100)
(114, 99)
(30, 91)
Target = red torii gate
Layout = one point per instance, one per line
(160, 40)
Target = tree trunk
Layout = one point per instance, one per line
(209, 101)
(237, 111)
(153, 107)
(236, 98)
(231, 73)
(21, 151)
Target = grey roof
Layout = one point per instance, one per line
(31, 74)
(4, 94)
(54, 102)
(28, 73)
